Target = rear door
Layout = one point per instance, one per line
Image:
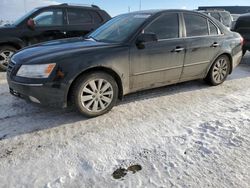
(202, 44)
(81, 21)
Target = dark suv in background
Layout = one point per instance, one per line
(242, 26)
(48, 23)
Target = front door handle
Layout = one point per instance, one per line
(215, 45)
(178, 49)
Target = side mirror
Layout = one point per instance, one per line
(144, 38)
(147, 37)
(31, 24)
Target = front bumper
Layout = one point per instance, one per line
(48, 94)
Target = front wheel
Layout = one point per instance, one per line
(95, 94)
(219, 71)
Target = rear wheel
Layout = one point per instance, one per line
(95, 94)
(219, 71)
(6, 53)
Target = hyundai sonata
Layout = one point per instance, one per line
(131, 52)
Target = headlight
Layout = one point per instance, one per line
(36, 71)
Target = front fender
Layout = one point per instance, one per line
(114, 61)
(13, 41)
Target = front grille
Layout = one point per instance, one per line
(10, 67)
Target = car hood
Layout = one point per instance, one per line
(7, 26)
(58, 48)
(6, 30)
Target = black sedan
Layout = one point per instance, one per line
(131, 52)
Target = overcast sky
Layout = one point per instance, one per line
(13, 9)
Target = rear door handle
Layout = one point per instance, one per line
(178, 49)
(214, 45)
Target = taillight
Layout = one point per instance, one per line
(241, 41)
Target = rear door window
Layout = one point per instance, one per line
(195, 25)
(79, 17)
(165, 27)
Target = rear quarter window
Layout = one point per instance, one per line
(96, 17)
(212, 28)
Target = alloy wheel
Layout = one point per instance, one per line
(97, 95)
(5, 58)
(220, 70)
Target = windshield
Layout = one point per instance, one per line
(17, 22)
(119, 28)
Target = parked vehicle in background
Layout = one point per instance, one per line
(48, 23)
(131, 52)
(222, 16)
(235, 17)
(242, 26)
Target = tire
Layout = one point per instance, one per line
(94, 94)
(219, 71)
(5, 54)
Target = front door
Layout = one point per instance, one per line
(49, 25)
(158, 63)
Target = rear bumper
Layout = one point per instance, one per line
(237, 59)
(44, 94)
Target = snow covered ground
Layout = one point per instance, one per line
(186, 135)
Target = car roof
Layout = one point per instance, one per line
(213, 11)
(155, 12)
(158, 11)
(66, 5)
